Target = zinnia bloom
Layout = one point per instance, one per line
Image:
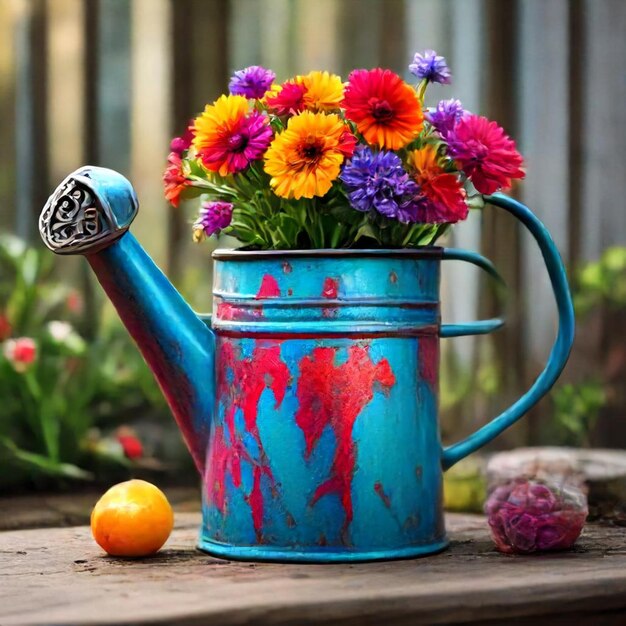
(306, 157)
(251, 82)
(528, 516)
(286, 99)
(385, 109)
(317, 91)
(21, 353)
(431, 67)
(323, 91)
(173, 179)
(445, 116)
(213, 217)
(377, 180)
(442, 191)
(227, 138)
(485, 153)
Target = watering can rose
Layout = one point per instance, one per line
(313, 162)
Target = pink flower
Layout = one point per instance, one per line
(485, 153)
(20, 352)
(74, 302)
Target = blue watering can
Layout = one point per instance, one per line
(308, 400)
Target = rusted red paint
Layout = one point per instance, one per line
(330, 289)
(269, 288)
(290, 292)
(287, 269)
(429, 360)
(393, 277)
(334, 395)
(378, 488)
(231, 312)
(263, 370)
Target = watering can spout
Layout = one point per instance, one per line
(89, 213)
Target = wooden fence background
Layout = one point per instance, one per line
(108, 82)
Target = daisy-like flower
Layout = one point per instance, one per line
(306, 157)
(377, 180)
(385, 109)
(431, 67)
(317, 91)
(228, 138)
(442, 192)
(286, 99)
(445, 116)
(213, 217)
(251, 82)
(323, 91)
(485, 153)
(174, 180)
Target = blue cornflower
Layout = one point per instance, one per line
(431, 67)
(446, 115)
(251, 82)
(377, 180)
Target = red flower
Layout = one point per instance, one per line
(485, 153)
(443, 196)
(386, 110)
(21, 353)
(174, 179)
(347, 144)
(130, 442)
(5, 327)
(288, 101)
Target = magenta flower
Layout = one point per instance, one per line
(445, 116)
(431, 67)
(181, 144)
(485, 153)
(213, 217)
(251, 82)
(529, 516)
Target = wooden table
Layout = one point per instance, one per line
(59, 576)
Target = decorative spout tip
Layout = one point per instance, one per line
(89, 210)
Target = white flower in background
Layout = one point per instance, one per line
(60, 331)
(64, 334)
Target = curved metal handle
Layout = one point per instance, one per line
(560, 350)
(481, 327)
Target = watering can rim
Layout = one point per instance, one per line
(238, 254)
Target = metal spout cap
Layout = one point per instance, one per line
(89, 210)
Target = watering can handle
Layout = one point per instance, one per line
(560, 350)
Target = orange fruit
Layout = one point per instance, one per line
(132, 518)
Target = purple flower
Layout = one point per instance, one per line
(529, 516)
(377, 180)
(213, 217)
(431, 67)
(251, 82)
(445, 116)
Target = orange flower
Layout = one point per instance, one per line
(442, 191)
(173, 179)
(386, 110)
(306, 157)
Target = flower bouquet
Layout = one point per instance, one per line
(314, 162)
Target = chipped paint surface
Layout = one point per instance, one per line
(334, 395)
(317, 434)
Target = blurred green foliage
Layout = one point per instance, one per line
(599, 285)
(49, 407)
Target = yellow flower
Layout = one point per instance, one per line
(306, 157)
(324, 91)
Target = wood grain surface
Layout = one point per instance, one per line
(59, 576)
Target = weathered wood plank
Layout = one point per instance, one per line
(59, 576)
